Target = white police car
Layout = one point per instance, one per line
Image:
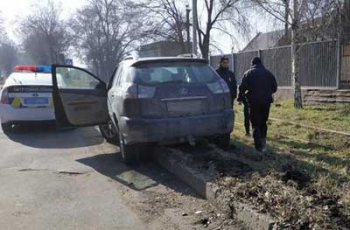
(27, 97)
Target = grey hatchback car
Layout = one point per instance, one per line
(147, 101)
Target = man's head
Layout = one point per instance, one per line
(224, 62)
(256, 61)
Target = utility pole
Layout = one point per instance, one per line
(195, 23)
(188, 24)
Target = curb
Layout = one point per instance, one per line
(169, 160)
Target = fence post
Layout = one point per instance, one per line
(234, 63)
(339, 63)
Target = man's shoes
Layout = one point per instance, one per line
(247, 134)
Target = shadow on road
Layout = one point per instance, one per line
(139, 178)
(50, 137)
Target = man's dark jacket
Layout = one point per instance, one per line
(229, 77)
(258, 85)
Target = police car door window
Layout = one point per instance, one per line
(76, 79)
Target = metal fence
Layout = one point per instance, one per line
(318, 64)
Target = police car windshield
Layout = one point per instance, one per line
(164, 73)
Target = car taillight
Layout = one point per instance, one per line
(145, 92)
(216, 87)
(133, 95)
(137, 91)
(4, 97)
(224, 86)
(129, 90)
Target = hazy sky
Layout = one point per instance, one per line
(14, 9)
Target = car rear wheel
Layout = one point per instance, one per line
(6, 128)
(129, 153)
(110, 132)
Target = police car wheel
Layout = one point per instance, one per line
(6, 128)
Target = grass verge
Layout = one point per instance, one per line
(304, 179)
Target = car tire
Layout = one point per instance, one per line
(222, 141)
(110, 133)
(129, 153)
(6, 128)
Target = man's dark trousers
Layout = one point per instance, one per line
(246, 116)
(259, 115)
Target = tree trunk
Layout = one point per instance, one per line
(298, 100)
(205, 46)
(286, 18)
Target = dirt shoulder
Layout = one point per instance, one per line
(303, 180)
(278, 185)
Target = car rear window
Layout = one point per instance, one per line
(160, 73)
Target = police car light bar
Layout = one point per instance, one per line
(33, 68)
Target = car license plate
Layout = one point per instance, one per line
(185, 106)
(36, 101)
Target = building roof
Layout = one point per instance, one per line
(264, 41)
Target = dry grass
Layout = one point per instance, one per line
(313, 166)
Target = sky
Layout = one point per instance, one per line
(12, 10)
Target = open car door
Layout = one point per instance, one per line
(80, 98)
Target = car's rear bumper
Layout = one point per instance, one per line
(8, 114)
(158, 130)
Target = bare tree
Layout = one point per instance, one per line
(290, 12)
(166, 20)
(8, 57)
(104, 32)
(308, 20)
(8, 51)
(218, 14)
(44, 33)
(2, 28)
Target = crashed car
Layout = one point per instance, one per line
(147, 101)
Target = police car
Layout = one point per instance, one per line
(26, 97)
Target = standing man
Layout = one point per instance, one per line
(228, 76)
(259, 85)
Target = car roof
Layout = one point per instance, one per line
(28, 78)
(135, 62)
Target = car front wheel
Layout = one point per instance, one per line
(110, 132)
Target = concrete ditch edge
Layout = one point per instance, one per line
(208, 190)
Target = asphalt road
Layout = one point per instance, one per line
(72, 179)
